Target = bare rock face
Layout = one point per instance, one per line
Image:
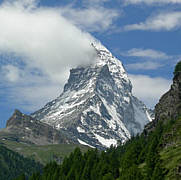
(169, 106)
(27, 129)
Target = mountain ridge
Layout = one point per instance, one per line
(24, 128)
(97, 107)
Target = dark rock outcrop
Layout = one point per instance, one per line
(27, 129)
(169, 106)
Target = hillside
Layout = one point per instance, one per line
(43, 153)
(36, 140)
(13, 164)
(18, 157)
(23, 128)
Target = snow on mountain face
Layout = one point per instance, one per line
(97, 107)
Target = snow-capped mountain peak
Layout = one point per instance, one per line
(97, 107)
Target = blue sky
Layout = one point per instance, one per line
(41, 40)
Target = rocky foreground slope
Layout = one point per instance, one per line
(23, 128)
(169, 106)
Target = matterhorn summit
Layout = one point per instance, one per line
(96, 107)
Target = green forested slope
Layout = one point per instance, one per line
(12, 164)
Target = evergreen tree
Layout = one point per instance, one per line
(177, 68)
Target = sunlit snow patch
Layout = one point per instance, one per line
(106, 142)
(80, 130)
(83, 143)
(149, 117)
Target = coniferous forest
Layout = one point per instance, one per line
(13, 164)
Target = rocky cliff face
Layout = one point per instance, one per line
(97, 107)
(27, 129)
(169, 106)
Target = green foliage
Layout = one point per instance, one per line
(13, 165)
(152, 156)
(177, 68)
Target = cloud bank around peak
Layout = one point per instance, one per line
(47, 46)
(45, 39)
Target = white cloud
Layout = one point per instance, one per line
(164, 21)
(46, 40)
(144, 66)
(146, 53)
(149, 89)
(151, 2)
(91, 19)
(48, 46)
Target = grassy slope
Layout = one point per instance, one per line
(43, 154)
(170, 150)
